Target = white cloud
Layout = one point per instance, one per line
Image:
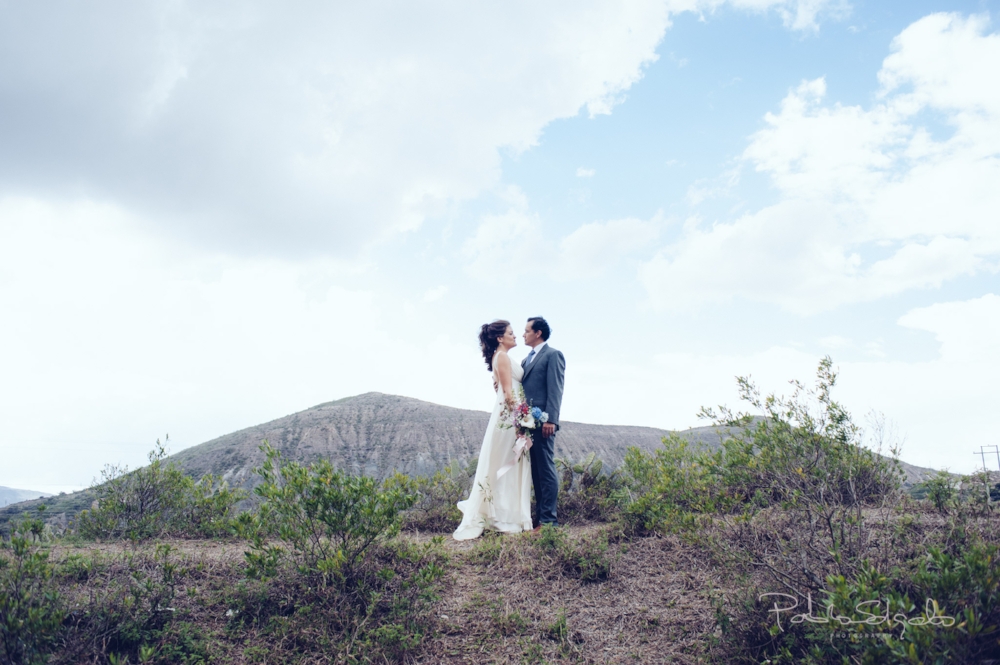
(593, 248)
(835, 342)
(943, 406)
(968, 331)
(435, 294)
(585, 173)
(501, 250)
(854, 182)
(311, 127)
(112, 337)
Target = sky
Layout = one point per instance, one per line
(216, 214)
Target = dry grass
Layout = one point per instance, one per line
(510, 602)
(507, 600)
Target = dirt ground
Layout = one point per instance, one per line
(506, 601)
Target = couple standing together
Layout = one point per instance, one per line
(501, 492)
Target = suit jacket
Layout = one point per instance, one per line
(543, 381)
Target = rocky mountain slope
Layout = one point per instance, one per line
(376, 434)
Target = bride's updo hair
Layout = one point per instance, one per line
(489, 336)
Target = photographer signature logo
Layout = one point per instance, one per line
(870, 609)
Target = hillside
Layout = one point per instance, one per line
(9, 495)
(376, 434)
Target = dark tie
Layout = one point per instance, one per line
(527, 361)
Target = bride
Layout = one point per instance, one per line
(501, 492)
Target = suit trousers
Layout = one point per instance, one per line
(544, 477)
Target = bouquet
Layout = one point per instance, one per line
(527, 419)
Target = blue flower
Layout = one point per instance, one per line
(536, 413)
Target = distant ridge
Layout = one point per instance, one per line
(9, 495)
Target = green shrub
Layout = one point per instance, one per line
(803, 485)
(158, 500)
(327, 518)
(586, 494)
(130, 609)
(31, 610)
(820, 518)
(801, 449)
(436, 506)
(335, 579)
(941, 491)
(668, 490)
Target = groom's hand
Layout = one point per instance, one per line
(548, 429)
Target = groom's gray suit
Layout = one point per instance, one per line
(543, 387)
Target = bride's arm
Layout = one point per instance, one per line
(503, 370)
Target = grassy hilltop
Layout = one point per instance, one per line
(665, 558)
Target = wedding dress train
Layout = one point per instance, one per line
(502, 503)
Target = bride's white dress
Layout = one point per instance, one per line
(502, 503)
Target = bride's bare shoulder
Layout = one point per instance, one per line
(502, 359)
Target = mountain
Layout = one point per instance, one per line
(376, 434)
(9, 495)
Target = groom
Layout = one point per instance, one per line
(544, 369)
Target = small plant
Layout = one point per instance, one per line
(586, 559)
(327, 518)
(668, 490)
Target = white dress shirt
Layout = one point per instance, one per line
(537, 350)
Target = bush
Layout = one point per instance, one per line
(337, 580)
(436, 506)
(133, 611)
(158, 500)
(818, 518)
(802, 449)
(31, 611)
(668, 490)
(801, 481)
(941, 491)
(326, 517)
(586, 494)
